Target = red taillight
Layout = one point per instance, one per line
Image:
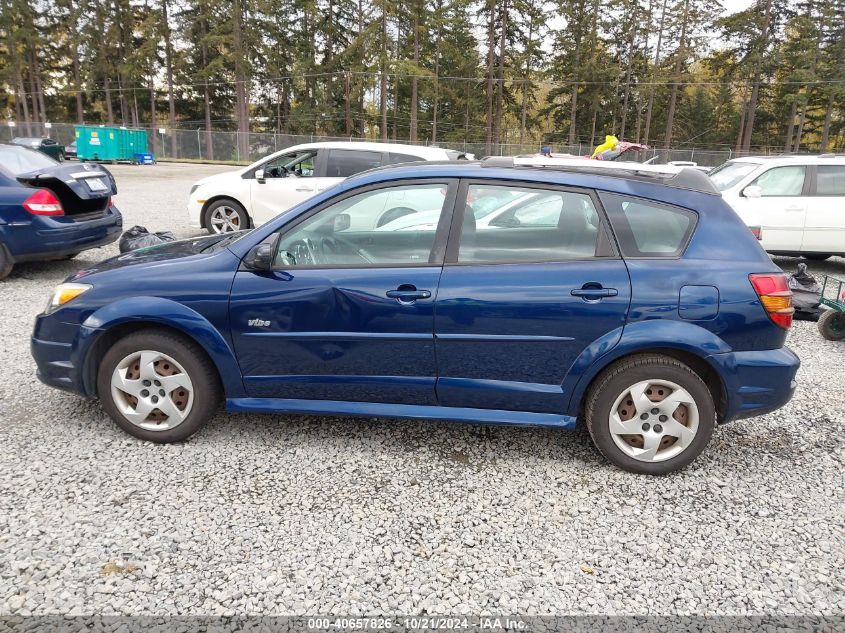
(757, 232)
(43, 202)
(775, 297)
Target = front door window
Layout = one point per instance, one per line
(348, 233)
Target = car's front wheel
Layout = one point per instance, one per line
(158, 386)
(650, 414)
(226, 216)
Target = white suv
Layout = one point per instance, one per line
(236, 200)
(798, 202)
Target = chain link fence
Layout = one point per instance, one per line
(217, 145)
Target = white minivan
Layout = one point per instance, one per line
(237, 200)
(798, 202)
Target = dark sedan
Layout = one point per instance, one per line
(52, 211)
(44, 145)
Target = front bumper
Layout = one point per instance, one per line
(756, 383)
(52, 346)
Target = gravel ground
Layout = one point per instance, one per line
(295, 515)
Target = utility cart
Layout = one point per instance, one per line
(832, 321)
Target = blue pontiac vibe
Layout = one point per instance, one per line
(629, 297)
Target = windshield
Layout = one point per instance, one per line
(21, 161)
(729, 174)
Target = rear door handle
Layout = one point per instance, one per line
(305, 188)
(794, 209)
(592, 294)
(408, 295)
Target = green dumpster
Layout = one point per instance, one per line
(94, 142)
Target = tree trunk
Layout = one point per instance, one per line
(787, 147)
(828, 114)
(77, 85)
(33, 93)
(241, 95)
(383, 74)
(153, 117)
(168, 60)
(525, 81)
(800, 130)
(347, 105)
(500, 84)
(109, 110)
(491, 52)
(741, 132)
(206, 98)
(20, 99)
(755, 86)
(412, 133)
(654, 74)
(679, 61)
(629, 69)
(436, 102)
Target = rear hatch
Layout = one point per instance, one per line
(83, 190)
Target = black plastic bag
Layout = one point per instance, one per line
(139, 237)
(806, 294)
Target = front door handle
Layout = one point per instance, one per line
(305, 188)
(408, 294)
(594, 293)
(794, 209)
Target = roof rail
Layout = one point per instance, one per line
(670, 175)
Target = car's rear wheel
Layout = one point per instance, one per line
(831, 325)
(156, 395)
(6, 263)
(61, 157)
(226, 216)
(650, 414)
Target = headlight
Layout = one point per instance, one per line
(64, 293)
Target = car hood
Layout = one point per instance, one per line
(168, 251)
(226, 175)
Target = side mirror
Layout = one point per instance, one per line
(260, 257)
(342, 221)
(753, 191)
(259, 176)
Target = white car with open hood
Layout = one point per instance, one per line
(237, 200)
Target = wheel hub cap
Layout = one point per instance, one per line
(152, 390)
(225, 220)
(653, 420)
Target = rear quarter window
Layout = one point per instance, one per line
(646, 228)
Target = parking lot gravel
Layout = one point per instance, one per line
(301, 515)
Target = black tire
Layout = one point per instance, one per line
(622, 375)
(6, 263)
(237, 207)
(61, 157)
(203, 375)
(831, 325)
(816, 257)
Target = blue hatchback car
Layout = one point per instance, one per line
(631, 298)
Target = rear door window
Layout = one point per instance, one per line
(646, 228)
(830, 180)
(528, 225)
(343, 163)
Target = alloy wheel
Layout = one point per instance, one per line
(225, 219)
(152, 391)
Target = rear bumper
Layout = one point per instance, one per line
(756, 383)
(46, 237)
